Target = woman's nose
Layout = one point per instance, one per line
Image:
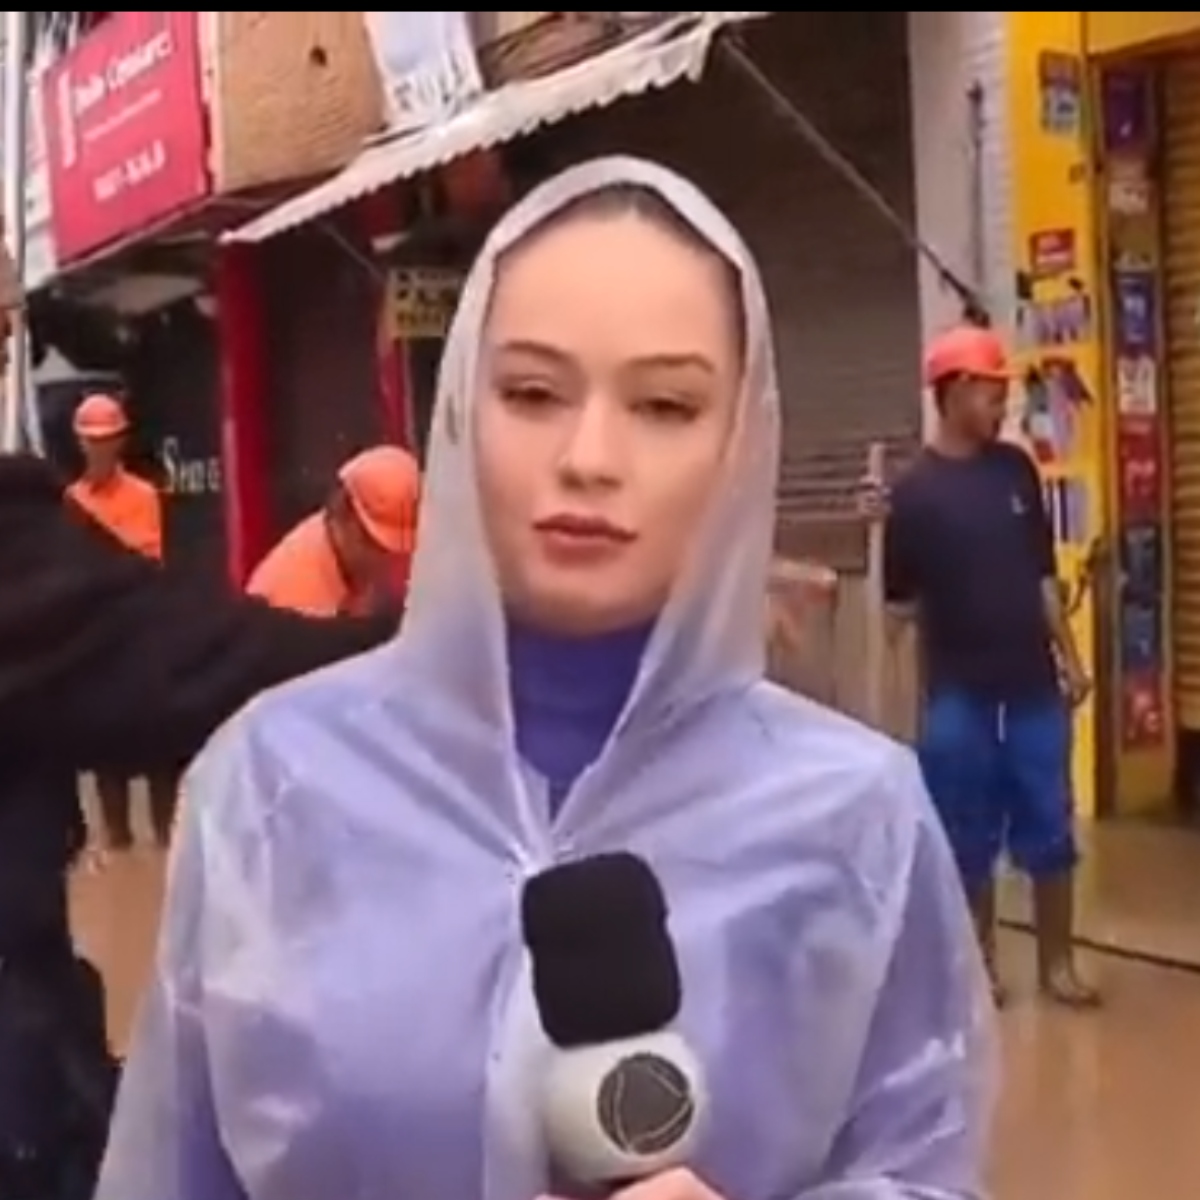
(592, 452)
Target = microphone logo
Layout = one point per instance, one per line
(645, 1105)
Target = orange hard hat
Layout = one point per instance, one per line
(99, 417)
(966, 350)
(383, 485)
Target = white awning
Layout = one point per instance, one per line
(675, 50)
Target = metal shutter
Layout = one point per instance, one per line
(1181, 200)
(842, 284)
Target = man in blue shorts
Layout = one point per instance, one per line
(969, 556)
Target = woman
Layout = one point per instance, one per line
(341, 1002)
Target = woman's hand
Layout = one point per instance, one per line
(677, 1184)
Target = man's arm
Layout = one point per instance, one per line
(108, 659)
(1062, 637)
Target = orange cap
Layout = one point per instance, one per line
(383, 485)
(966, 350)
(99, 417)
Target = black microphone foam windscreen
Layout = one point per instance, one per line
(604, 966)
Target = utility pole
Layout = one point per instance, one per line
(15, 127)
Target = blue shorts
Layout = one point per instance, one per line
(1000, 779)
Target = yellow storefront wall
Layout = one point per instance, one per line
(1052, 195)
(1124, 32)
(1058, 200)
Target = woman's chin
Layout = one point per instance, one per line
(581, 607)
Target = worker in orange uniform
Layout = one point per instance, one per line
(131, 509)
(344, 559)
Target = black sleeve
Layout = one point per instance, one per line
(901, 550)
(108, 659)
(1041, 528)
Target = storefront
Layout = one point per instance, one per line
(1106, 180)
(1178, 289)
(843, 284)
(124, 132)
(356, 278)
(850, 297)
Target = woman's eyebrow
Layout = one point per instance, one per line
(552, 354)
(535, 350)
(694, 360)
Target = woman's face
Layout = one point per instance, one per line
(610, 378)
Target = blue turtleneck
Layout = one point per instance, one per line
(567, 694)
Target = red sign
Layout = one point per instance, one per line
(1139, 462)
(1052, 252)
(125, 129)
(1143, 712)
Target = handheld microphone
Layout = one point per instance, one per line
(623, 1096)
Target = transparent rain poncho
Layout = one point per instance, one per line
(340, 1007)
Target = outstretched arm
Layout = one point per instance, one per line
(107, 659)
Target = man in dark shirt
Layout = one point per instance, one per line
(969, 556)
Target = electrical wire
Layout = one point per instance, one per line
(731, 46)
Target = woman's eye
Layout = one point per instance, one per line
(664, 408)
(528, 395)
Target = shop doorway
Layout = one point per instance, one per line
(1179, 121)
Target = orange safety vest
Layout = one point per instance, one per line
(302, 573)
(128, 507)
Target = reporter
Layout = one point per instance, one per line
(580, 670)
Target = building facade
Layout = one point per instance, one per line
(312, 308)
(1105, 154)
(852, 300)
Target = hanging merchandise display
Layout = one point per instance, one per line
(1134, 272)
(1060, 85)
(1137, 388)
(1052, 252)
(1135, 310)
(1067, 504)
(1055, 397)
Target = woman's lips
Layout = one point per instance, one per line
(575, 538)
